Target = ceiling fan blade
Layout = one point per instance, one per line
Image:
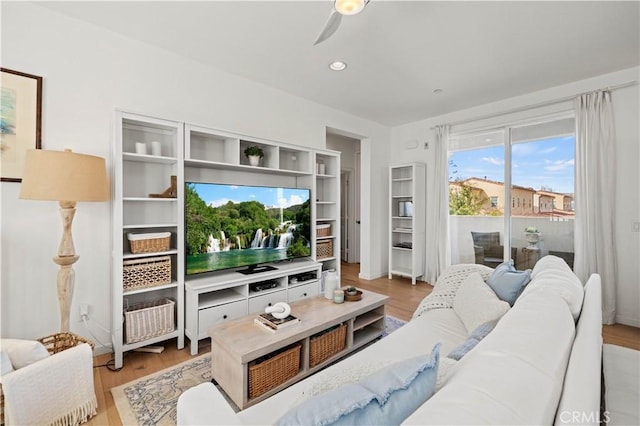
(330, 27)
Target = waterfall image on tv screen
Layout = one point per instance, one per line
(232, 226)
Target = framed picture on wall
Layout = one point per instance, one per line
(20, 120)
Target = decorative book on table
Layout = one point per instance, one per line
(271, 323)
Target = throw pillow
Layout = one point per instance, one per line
(475, 303)
(23, 352)
(339, 375)
(447, 285)
(507, 283)
(474, 338)
(386, 397)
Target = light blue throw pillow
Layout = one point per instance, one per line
(507, 283)
(386, 397)
(474, 338)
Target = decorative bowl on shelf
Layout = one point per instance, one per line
(353, 297)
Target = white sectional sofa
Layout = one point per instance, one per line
(537, 366)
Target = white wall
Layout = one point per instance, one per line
(626, 103)
(88, 73)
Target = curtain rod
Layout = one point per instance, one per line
(538, 105)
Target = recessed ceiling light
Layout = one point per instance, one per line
(437, 91)
(337, 66)
(350, 7)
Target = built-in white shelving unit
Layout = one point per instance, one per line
(200, 154)
(326, 214)
(134, 211)
(407, 220)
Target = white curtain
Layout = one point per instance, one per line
(437, 232)
(595, 195)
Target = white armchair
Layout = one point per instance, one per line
(56, 389)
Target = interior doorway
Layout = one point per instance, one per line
(345, 201)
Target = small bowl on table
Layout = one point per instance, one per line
(352, 297)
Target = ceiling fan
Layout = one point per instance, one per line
(340, 8)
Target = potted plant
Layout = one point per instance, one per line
(351, 290)
(254, 153)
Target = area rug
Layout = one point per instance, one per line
(151, 400)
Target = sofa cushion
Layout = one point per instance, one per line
(23, 352)
(507, 282)
(446, 368)
(386, 397)
(475, 303)
(5, 363)
(474, 338)
(553, 277)
(514, 375)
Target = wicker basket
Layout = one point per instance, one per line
(60, 341)
(323, 230)
(149, 319)
(146, 272)
(149, 243)
(324, 248)
(327, 344)
(279, 367)
(54, 343)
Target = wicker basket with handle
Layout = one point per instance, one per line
(324, 248)
(149, 319)
(327, 344)
(146, 272)
(279, 367)
(149, 243)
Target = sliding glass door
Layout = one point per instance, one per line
(534, 217)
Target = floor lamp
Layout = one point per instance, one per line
(65, 177)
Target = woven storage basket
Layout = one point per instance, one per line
(149, 319)
(54, 343)
(146, 272)
(266, 375)
(323, 230)
(149, 243)
(324, 248)
(327, 344)
(60, 341)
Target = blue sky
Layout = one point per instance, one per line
(217, 195)
(548, 162)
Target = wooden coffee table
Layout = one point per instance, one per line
(237, 345)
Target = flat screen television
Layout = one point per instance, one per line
(236, 226)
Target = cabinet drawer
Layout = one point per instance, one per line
(259, 303)
(303, 291)
(217, 314)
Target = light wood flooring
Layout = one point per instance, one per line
(404, 298)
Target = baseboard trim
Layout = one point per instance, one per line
(371, 276)
(634, 322)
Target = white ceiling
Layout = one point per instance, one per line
(397, 52)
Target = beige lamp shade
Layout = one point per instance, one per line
(64, 176)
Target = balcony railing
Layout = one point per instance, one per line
(556, 235)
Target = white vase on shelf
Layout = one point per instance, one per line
(254, 160)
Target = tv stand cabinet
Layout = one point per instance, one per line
(228, 295)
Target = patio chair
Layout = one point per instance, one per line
(487, 249)
(567, 256)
